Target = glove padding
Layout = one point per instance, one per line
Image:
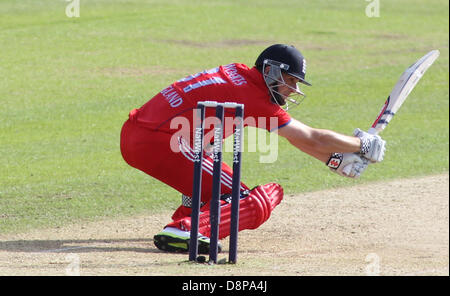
(347, 164)
(372, 146)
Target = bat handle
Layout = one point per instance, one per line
(372, 131)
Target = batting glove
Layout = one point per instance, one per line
(347, 164)
(372, 146)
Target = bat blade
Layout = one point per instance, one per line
(408, 80)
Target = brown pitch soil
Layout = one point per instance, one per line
(399, 227)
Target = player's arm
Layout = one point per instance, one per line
(319, 143)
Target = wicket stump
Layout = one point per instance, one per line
(217, 172)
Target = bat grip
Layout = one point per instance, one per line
(372, 131)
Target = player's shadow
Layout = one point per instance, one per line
(80, 246)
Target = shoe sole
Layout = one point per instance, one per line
(172, 244)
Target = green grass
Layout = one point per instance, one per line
(68, 84)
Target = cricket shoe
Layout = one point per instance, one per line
(174, 240)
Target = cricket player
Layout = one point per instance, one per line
(153, 142)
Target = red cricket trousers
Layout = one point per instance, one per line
(150, 151)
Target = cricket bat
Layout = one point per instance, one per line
(399, 93)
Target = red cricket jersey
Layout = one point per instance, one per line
(230, 83)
